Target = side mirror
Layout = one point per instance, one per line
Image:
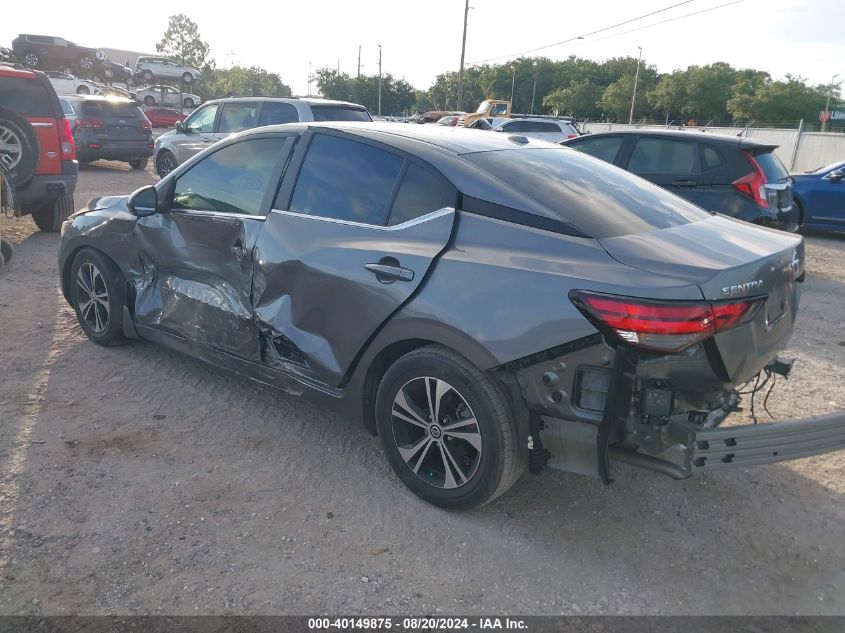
(836, 176)
(180, 127)
(144, 202)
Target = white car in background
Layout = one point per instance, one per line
(546, 129)
(66, 84)
(166, 96)
(150, 67)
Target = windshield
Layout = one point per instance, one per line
(596, 197)
(485, 105)
(772, 167)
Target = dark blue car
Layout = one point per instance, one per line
(820, 197)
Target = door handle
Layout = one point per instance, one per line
(684, 183)
(387, 273)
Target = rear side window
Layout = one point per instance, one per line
(604, 147)
(274, 113)
(237, 117)
(231, 180)
(27, 97)
(421, 192)
(66, 107)
(339, 113)
(710, 158)
(598, 198)
(346, 180)
(662, 156)
(771, 166)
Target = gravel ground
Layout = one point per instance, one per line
(134, 480)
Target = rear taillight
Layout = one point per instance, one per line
(145, 124)
(66, 140)
(665, 326)
(569, 136)
(753, 184)
(89, 122)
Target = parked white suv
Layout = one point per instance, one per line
(217, 119)
(554, 130)
(66, 84)
(165, 68)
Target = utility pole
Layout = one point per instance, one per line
(309, 79)
(636, 79)
(827, 105)
(534, 89)
(463, 52)
(359, 60)
(513, 82)
(379, 79)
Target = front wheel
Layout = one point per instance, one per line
(83, 90)
(165, 163)
(447, 429)
(148, 76)
(150, 101)
(86, 63)
(188, 78)
(98, 292)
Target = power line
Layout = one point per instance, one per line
(572, 39)
(686, 15)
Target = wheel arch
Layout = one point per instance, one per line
(67, 265)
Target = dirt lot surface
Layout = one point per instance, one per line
(135, 480)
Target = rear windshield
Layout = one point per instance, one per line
(340, 113)
(772, 167)
(105, 108)
(598, 198)
(27, 97)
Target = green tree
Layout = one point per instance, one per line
(578, 99)
(669, 96)
(397, 95)
(239, 80)
(779, 102)
(616, 99)
(182, 42)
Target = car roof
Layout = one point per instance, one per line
(455, 140)
(309, 100)
(724, 139)
(9, 71)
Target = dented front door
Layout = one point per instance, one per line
(197, 255)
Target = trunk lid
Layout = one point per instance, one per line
(728, 260)
(120, 121)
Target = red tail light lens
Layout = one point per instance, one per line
(89, 122)
(753, 184)
(145, 124)
(665, 326)
(66, 140)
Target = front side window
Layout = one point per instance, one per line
(231, 180)
(420, 193)
(662, 156)
(346, 180)
(202, 121)
(236, 117)
(604, 147)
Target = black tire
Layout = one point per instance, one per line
(108, 73)
(188, 102)
(17, 132)
(31, 59)
(799, 208)
(490, 471)
(68, 70)
(86, 63)
(165, 163)
(149, 100)
(188, 78)
(49, 219)
(83, 90)
(148, 76)
(7, 251)
(130, 81)
(109, 280)
(139, 163)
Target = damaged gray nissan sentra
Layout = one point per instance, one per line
(484, 302)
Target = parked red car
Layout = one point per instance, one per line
(164, 117)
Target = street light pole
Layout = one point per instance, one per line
(636, 79)
(534, 89)
(827, 105)
(379, 79)
(513, 81)
(463, 52)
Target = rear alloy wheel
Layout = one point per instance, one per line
(148, 76)
(165, 163)
(18, 148)
(150, 101)
(86, 63)
(109, 73)
(83, 90)
(49, 219)
(130, 81)
(188, 78)
(32, 59)
(98, 292)
(447, 429)
(68, 70)
(139, 163)
(188, 102)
